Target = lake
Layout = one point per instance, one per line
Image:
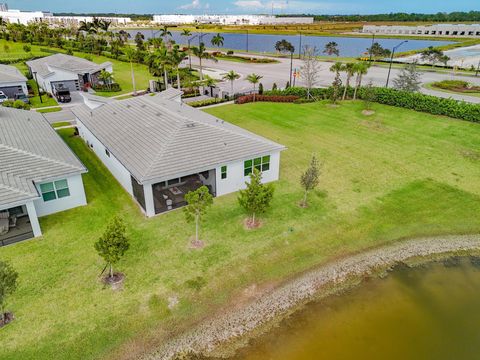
(429, 312)
(349, 46)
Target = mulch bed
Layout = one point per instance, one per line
(249, 225)
(116, 281)
(8, 318)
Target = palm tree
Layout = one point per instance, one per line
(337, 83)
(284, 46)
(254, 79)
(164, 33)
(106, 77)
(217, 40)
(201, 53)
(162, 60)
(331, 48)
(186, 33)
(361, 69)
(130, 53)
(231, 76)
(176, 58)
(210, 83)
(349, 69)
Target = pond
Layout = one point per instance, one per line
(430, 312)
(349, 46)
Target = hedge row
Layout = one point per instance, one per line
(270, 98)
(414, 101)
(107, 88)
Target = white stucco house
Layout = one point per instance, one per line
(69, 71)
(12, 81)
(39, 174)
(160, 149)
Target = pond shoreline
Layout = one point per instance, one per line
(221, 335)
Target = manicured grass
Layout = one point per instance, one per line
(15, 50)
(432, 86)
(50, 110)
(61, 123)
(122, 74)
(389, 176)
(35, 101)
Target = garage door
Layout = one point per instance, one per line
(71, 85)
(10, 91)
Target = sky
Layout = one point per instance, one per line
(246, 6)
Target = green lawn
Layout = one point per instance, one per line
(393, 175)
(50, 110)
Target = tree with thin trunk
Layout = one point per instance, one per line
(283, 46)
(198, 202)
(201, 53)
(176, 57)
(165, 33)
(113, 244)
(210, 83)
(256, 198)
(408, 79)
(130, 54)
(106, 78)
(254, 79)
(231, 76)
(331, 48)
(361, 69)
(310, 69)
(349, 69)
(309, 179)
(337, 82)
(8, 285)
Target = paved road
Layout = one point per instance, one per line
(279, 73)
(63, 115)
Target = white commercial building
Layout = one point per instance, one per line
(448, 30)
(23, 17)
(230, 19)
(160, 149)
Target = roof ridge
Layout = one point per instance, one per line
(38, 156)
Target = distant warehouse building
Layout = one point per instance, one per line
(231, 19)
(457, 30)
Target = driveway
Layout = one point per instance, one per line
(279, 73)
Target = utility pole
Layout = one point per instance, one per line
(300, 47)
(291, 66)
(478, 69)
(247, 40)
(391, 60)
(373, 42)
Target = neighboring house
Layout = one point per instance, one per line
(159, 149)
(12, 81)
(70, 71)
(39, 174)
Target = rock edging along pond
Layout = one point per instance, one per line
(236, 323)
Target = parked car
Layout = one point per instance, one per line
(21, 96)
(62, 94)
(3, 97)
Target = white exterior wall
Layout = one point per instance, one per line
(116, 168)
(236, 180)
(33, 217)
(457, 30)
(22, 17)
(76, 198)
(230, 19)
(58, 75)
(23, 84)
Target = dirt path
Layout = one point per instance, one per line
(291, 294)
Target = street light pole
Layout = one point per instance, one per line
(300, 47)
(391, 60)
(291, 66)
(478, 69)
(189, 53)
(247, 40)
(38, 87)
(373, 42)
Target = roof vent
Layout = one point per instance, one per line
(114, 113)
(143, 106)
(158, 114)
(129, 106)
(190, 125)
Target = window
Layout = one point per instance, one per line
(53, 190)
(107, 152)
(224, 172)
(261, 164)
(173, 181)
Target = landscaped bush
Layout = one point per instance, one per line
(427, 103)
(107, 88)
(17, 104)
(266, 98)
(206, 102)
(457, 85)
(415, 101)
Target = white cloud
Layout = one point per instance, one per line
(195, 4)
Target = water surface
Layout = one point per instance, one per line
(349, 46)
(432, 312)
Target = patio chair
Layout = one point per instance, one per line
(169, 204)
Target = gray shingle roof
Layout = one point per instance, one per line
(157, 139)
(10, 74)
(30, 151)
(65, 62)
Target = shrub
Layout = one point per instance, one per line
(107, 88)
(267, 98)
(17, 104)
(230, 52)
